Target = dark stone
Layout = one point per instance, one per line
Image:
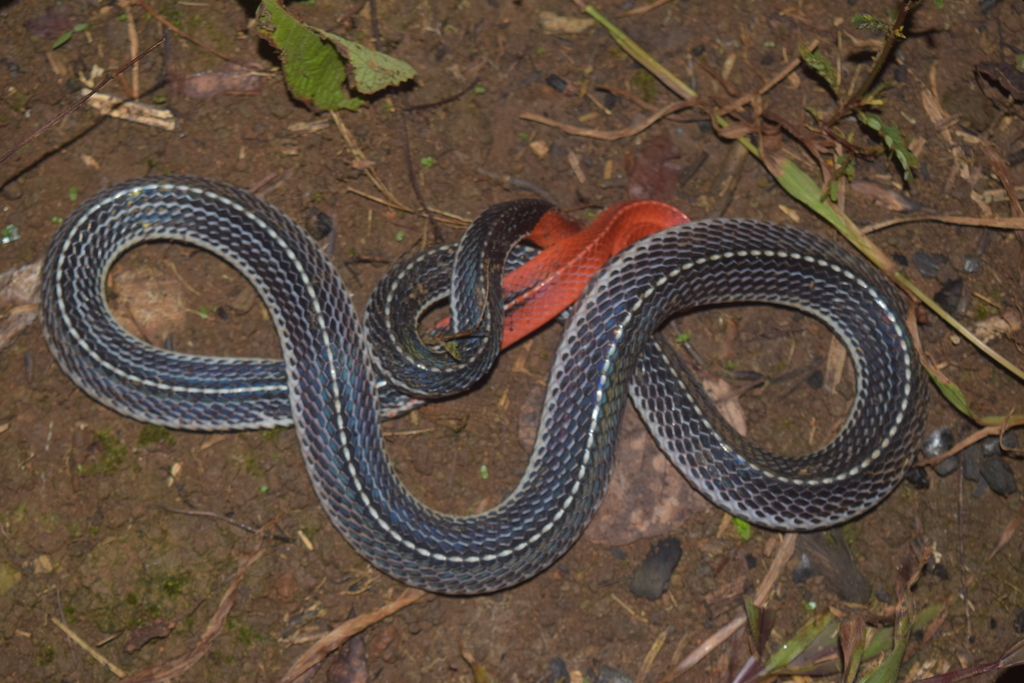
(559, 671)
(609, 675)
(804, 569)
(928, 264)
(990, 447)
(948, 466)
(971, 457)
(556, 82)
(950, 297)
(651, 578)
(998, 476)
(918, 478)
(318, 224)
(937, 442)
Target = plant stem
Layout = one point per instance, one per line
(641, 55)
(892, 36)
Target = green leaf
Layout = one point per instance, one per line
(742, 528)
(373, 71)
(315, 61)
(893, 139)
(953, 394)
(870, 23)
(798, 643)
(64, 37)
(803, 188)
(452, 348)
(821, 66)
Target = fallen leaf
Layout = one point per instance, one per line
(350, 666)
(231, 79)
(554, 23)
(652, 173)
(1007, 76)
(883, 196)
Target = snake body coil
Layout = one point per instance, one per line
(327, 385)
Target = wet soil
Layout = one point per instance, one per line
(86, 534)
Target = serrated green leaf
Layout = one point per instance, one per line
(313, 69)
(821, 66)
(894, 144)
(372, 71)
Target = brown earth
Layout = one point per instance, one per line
(81, 536)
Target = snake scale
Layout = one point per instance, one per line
(327, 385)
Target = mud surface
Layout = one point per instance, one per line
(87, 534)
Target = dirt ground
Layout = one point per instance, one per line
(85, 533)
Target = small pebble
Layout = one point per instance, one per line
(928, 264)
(938, 442)
(900, 260)
(1010, 440)
(990, 446)
(972, 461)
(556, 82)
(609, 675)
(651, 578)
(804, 569)
(971, 265)
(318, 224)
(918, 478)
(948, 466)
(998, 475)
(951, 296)
(559, 671)
(11, 190)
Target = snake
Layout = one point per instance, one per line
(327, 386)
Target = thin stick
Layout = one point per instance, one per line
(1001, 223)
(610, 135)
(156, 15)
(225, 518)
(644, 9)
(443, 216)
(336, 638)
(775, 80)
(133, 46)
(357, 152)
(646, 60)
(57, 119)
(114, 668)
(764, 591)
